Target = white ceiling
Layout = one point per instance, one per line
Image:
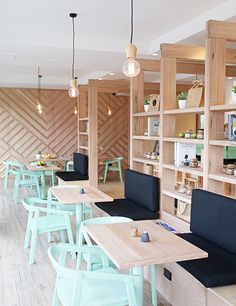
(38, 33)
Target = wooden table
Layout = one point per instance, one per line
(72, 196)
(42, 171)
(127, 252)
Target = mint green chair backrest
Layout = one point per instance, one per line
(83, 283)
(96, 221)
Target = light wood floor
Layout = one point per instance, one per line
(22, 284)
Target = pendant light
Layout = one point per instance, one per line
(39, 105)
(131, 67)
(109, 106)
(73, 90)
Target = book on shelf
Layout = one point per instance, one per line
(182, 150)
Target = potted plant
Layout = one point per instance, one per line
(233, 93)
(146, 105)
(182, 99)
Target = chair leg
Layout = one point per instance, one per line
(153, 284)
(33, 246)
(37, 188)
(5, 180)
(62, 234)
(120, 171)
(105, 173)
(27, 232)
(69, 233)
(55, 301)
(16, 190)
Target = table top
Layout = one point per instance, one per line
(42, 168)
(71, 195)
(57, 159)
(126, 251)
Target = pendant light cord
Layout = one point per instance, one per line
(132, 22)
(73, 47)
(39, 85)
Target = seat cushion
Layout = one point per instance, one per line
(219, 269)
(71, 176)
(213, 218)
(127, 208)
(81, 163)
(142, 189)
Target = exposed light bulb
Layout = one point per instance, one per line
(39, 107)
(131, 67)
(109, 111)
(75, 110)
(73, 90)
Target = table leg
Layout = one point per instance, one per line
(43, 184)
(139, 271)
(79, 219)
(152, 270)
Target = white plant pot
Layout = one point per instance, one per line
(233, 97)
(182, 103)
(38, 156)
(146, 107)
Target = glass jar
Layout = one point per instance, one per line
(200, 134)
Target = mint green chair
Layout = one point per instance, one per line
(44, 220)
(95, 263)
(49, 173)
(104, 287)
(10, 167)
(87, 208)
(112, 165)
(25, 178)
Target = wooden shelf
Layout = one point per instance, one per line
(184, 140)
(83, 133)
(179, 224)
(146, 114)
(194, 171)
(195, 110)
(223, 107)
(83, 119)
(223, 143)
(142, 137)
(177, 195)
(146, 161)
(83, 147)
(223, 178)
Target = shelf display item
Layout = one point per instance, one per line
(193, 163)
(182, 99)
(232, 127)
(153, 126)
(188, 134)
(183, 210)
(195, 94)
(182, 150)
(182, 188)
(154, 102)
(230, 169)
(200, 133)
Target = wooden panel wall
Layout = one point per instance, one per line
(113, 130)
(23, 131)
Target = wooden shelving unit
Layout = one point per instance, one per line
(216, 106)
(174, 120)
(147, 161)
(83, 121)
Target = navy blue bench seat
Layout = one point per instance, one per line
(80, 172)
(141, 200)
(213, 228)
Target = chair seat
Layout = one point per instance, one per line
(127, 208)
(219, 269)
(94, 291)
(51, 222)
(71, 176)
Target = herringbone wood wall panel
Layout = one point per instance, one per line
(24, 132)
(113, 130)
